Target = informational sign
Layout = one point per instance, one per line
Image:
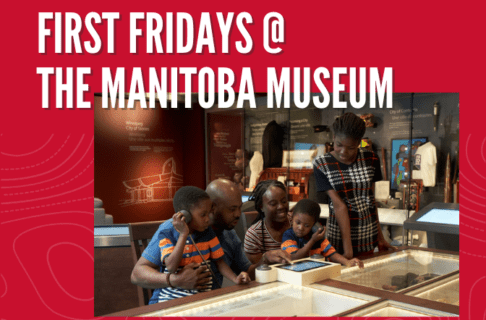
(224, 140)
(142, 186)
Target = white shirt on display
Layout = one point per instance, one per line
(425, 164)
(256, 166)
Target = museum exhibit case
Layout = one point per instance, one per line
(445, 291)
(355, 292)
(401, 270)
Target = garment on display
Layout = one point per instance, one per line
(272, 149)
(425, 162)
(256, 166)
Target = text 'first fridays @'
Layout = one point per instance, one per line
(208, 79)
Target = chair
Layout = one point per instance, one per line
(242, 225)
(250, 217)
(140, 235)
(248, 206)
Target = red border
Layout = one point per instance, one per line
(432, 47)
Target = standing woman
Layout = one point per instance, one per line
(348, 175)
(266, 231)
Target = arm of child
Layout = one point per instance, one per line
(226, 271)
(304, 251)
(336, 257)
(174, 259)
(342, 217)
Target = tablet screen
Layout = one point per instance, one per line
(304, 265)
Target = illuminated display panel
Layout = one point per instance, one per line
(441, 216)
(305, 265)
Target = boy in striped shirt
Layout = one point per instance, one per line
(301, 241)
(178, 250)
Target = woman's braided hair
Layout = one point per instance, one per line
(350, 126)
(258, 193)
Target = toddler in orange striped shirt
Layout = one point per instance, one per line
(301, 241)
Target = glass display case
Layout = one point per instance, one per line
(275, 299)
(445, 291)
(436, 292)
(401, 270)
(398, 309)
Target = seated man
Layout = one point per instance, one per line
(226, 197)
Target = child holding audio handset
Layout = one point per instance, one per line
(190, 237)
(301, 241)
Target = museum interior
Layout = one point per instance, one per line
(144, 156)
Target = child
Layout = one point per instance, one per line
(177, 249)
(300, 241)
(348, 175)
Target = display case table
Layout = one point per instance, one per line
(356, 291)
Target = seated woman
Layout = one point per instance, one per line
(266, 231)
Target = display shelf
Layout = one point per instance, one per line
(300, 176)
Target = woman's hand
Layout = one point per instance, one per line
(179, 223)
(383, 245)
(277, 256)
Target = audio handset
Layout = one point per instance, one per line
(187, 215)
(317, 227)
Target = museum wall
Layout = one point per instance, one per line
(143, 156)
(224, 130)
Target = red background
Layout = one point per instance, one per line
(46, 227)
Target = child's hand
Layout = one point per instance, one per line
(179, 223)
(355, 262)
(242, 278)
(318, 235)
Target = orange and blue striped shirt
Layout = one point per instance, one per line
(291, 243)
(206, 242)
